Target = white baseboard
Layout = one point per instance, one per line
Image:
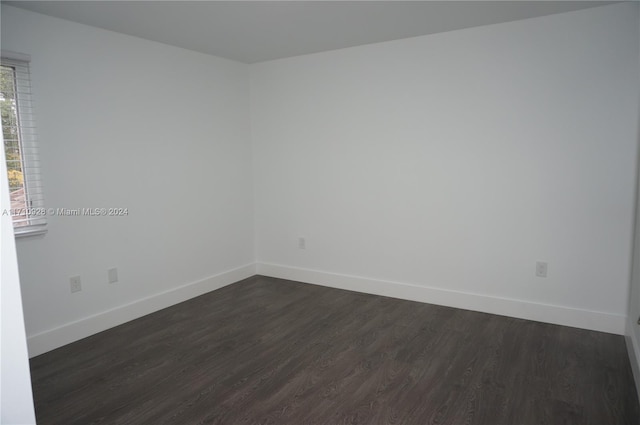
(559, 315)
(633, 348)
(70, 332)
(593, 320)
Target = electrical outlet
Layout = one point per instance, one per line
(113, 275)
(541, 269)
(302, 243)
(75, 284)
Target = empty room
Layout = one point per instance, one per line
(320, 212)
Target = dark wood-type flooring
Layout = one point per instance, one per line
(269, 351)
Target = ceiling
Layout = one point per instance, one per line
(256, 31)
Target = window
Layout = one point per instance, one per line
(19, 134)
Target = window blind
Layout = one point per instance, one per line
(21, 150)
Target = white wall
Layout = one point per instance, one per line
(633, 324)
(16, 400)
(633, 319)
(125, 122)
(441, 168)
(438, 168)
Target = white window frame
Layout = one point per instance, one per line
(36, 219)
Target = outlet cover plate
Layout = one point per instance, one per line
(541, 269)
(113, 275)
(75, 284)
